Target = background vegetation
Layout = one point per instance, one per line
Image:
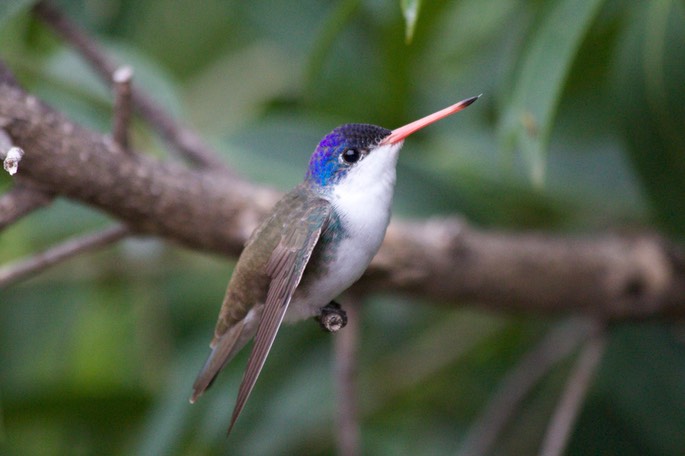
(580, 130)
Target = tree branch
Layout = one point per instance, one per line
(559, 343)
(184, 140)
(9, 154)
(21, 269)
(346, 348)
(122, 107)
(205, 210)
(561, 425)
(19, 201)
(607, 275)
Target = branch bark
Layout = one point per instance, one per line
(204, 210)
(607, 275)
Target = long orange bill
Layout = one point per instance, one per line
(399, 134)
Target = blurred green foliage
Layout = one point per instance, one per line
(580, 128)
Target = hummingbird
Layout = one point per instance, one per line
(318, 240)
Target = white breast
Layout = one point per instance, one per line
(362, 200)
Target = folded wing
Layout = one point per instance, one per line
(285, 267)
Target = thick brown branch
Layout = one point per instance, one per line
(611, 276)
(607, 275)
(202, 210)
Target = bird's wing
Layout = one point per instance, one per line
(225, 348)
(285, 267)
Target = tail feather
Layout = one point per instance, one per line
(223, 351)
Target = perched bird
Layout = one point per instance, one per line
(317, 241)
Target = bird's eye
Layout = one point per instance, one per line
(351, 155)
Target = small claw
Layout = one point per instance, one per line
(332, 318)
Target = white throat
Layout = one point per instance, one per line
(362, 200)
(363, 197)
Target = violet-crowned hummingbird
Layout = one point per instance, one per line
(318, 240)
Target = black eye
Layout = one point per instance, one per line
(351, 155)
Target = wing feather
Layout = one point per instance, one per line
(221, 353)
(285, 267)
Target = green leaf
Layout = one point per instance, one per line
(10, 8)
(650, 105)
(410, 10)
(546, 60)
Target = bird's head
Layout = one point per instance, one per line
(345, 151)
(364, 152)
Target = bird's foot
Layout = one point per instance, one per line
(332, 317)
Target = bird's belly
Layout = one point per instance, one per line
(352, 258)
